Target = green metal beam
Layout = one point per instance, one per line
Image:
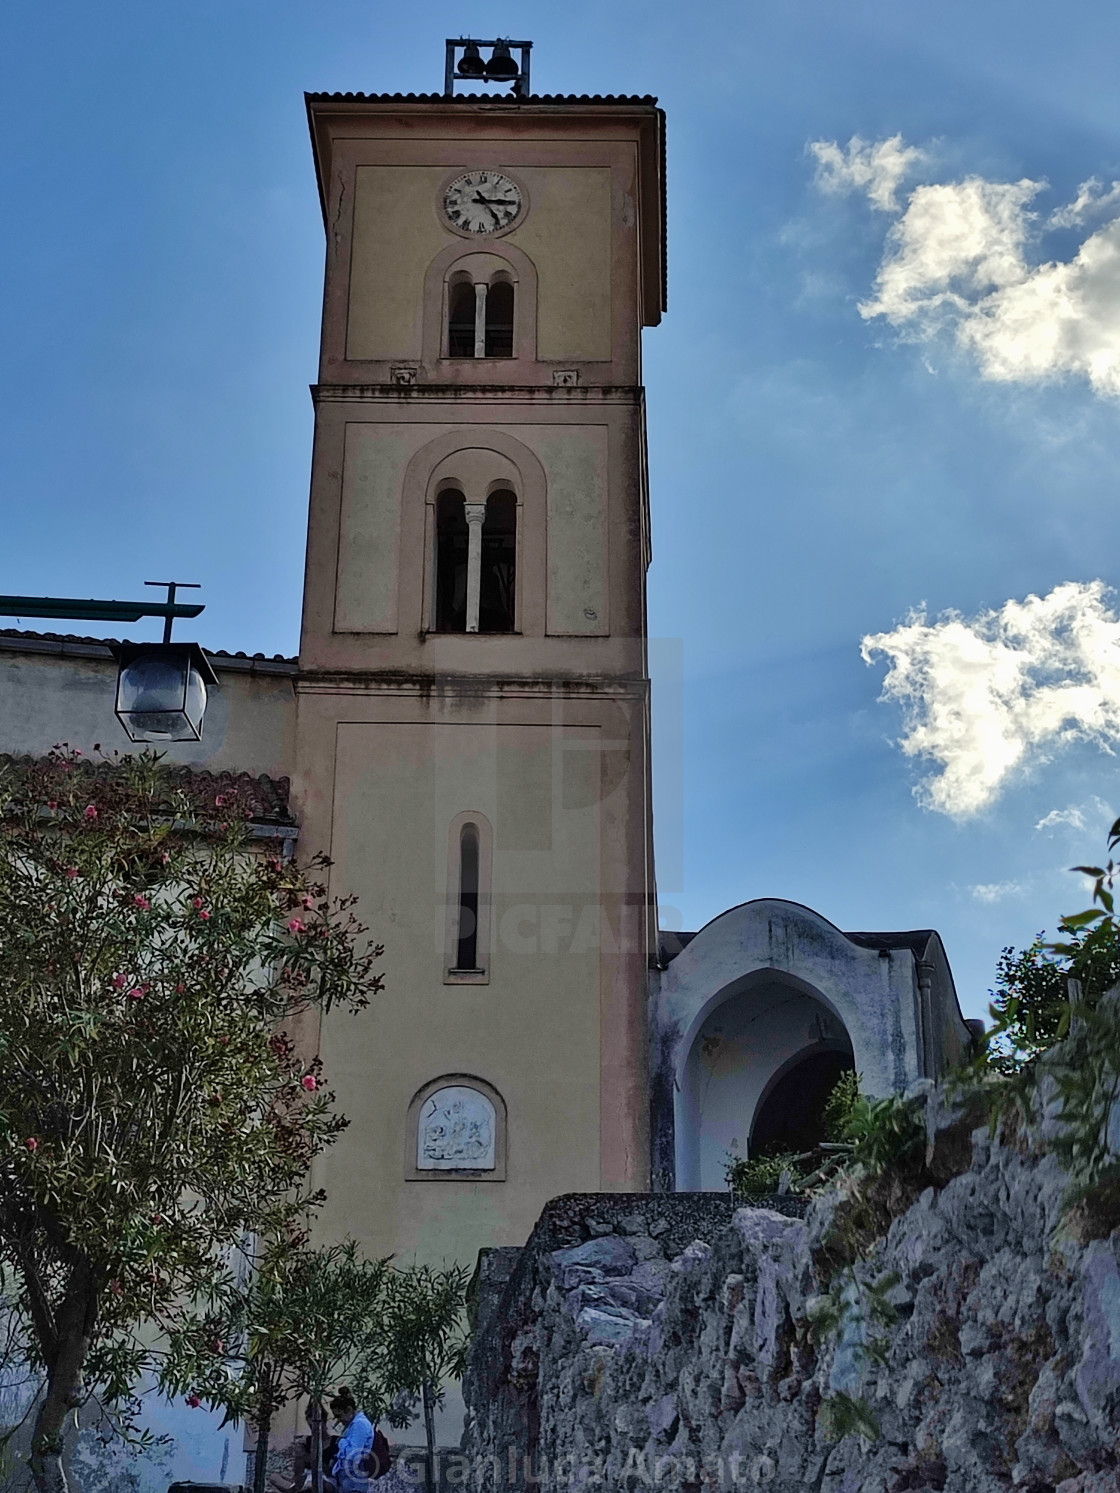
(65, 607)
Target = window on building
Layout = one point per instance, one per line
(480, 318)
(499, 554)
(452, 544)
(499, 319)
(474, 583)
(467, 928)
(461, 303)
(470, 856)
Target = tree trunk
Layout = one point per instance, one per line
(316, 1447)
(427, 1398)
(260, 1462)
(64, 1385)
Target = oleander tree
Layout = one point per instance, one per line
(427, 1340)
(156, 1104)
(292, 1323)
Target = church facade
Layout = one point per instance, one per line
(465, 731)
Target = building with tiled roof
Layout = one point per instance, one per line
(466, 728)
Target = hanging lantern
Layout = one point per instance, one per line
(162, 690)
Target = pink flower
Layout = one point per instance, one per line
(71, 872)
(119, 982)
(296, 925)
(165, 857)
(221, 800)
(309, 901)
(310, 1082)
(116, 1288)
(31, 1143)
(204, 915)
(179, 989)
(52, 803)
(91, 811)
(142, 902)
(193, 1401)
(197, 903)
(137, 993)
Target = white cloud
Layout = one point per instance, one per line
(962, 259)
(996, 891)
(877, 168)
(954, 244)
(1091, 201)
(989, 698)
(1071, 816)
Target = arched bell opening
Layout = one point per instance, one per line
(731, 1088)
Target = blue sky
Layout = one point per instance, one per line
(817, 472)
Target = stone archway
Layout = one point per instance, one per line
(888, 996)
(762, 1029)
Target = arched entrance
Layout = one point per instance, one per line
(758, 1073)
(790, 1114)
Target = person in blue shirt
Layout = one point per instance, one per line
(348, 1474)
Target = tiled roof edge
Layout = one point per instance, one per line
(673, 942)
(268, 797)
(17, 640)
(512, 100)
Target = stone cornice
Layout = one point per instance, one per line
(488, 686)
(504, 394)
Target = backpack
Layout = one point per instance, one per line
(377, 1461)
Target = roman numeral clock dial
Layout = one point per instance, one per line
(482, 202)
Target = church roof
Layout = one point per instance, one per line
(20, 640)
(494, 99)
(267, 799)
(917, 940)
(671, 942)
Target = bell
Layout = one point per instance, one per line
(501, 68)
(471, 64)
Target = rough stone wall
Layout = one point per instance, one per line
(608, 1360)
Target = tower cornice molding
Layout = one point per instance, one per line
(627, 395)
(488, 686)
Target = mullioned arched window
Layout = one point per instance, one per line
(481, 311)
(476, 562)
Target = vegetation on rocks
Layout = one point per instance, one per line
(875, 1135)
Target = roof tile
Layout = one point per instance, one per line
(266, 798)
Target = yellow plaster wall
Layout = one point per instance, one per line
(398, 232)
(567, 234)
(576, 463)
(575, 458)
(396, 236)
(374, 460)
(532, 1032)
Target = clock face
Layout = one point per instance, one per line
(482, 202)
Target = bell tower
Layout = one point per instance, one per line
(473, 720)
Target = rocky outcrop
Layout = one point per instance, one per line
(974, 1347)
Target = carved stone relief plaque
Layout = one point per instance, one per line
(456, 1132)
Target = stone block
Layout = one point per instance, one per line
(610, 1255)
